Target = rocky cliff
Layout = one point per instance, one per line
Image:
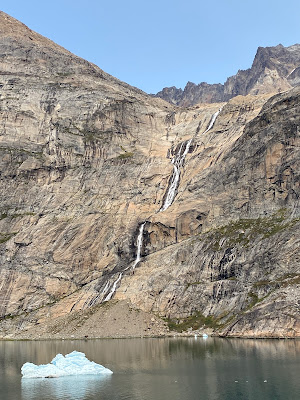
(85, 171)
(274, 70)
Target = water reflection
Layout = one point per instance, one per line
(67, 387)
(161, 369)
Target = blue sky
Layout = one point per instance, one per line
(158, 43)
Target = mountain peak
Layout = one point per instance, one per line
(274, 69)
(12, 28)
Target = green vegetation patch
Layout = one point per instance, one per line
(194, 321)
(90, 135)
(5, 214)
(254, 300)
(193, 284)
(283, 281)
(262, 283)
(244, 231)
(4, 237)
(22, 152)
(126, 155)
(289, 279)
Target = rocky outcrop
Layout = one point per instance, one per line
(274, 69)
(246, 258)
(194, 94)
(86, 159)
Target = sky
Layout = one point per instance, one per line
(159, 43)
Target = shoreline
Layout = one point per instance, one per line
(119, 320)
(166, 336)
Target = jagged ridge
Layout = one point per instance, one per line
(274, 69)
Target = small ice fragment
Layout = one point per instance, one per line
(265, 380)
(236, 381)
(74, 363)
(205, 336)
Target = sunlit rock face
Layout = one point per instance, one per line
(274, 69)
(85, 160)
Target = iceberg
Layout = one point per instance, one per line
(74, 363)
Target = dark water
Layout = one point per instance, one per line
(159, 369)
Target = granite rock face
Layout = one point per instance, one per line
(274, 69)
(86, 159)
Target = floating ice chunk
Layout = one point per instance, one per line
(74, 363)
(205, 336)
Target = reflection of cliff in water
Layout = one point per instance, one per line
(168, 369)
(141, 352)
(226, 348)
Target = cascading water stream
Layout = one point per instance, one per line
(114, 286)
(106, 287)
(177, 161)
(136, 261)
(212, 120)
(139, 246)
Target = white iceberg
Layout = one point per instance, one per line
(74, 363)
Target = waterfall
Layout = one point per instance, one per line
(136, 261)
(106, 287)
(212, 120)
(177, 162)
(139, 246)
(114, 286)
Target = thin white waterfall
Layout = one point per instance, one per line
(139, 246)
(177, 162)
(213, 120)
(106, 287)
(136, 261)
(114, 286)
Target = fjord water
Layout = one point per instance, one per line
(159, 369)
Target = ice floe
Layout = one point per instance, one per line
(74, 363)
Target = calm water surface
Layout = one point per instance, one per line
(159, 369)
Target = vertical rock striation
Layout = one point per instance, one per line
(84, 167)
